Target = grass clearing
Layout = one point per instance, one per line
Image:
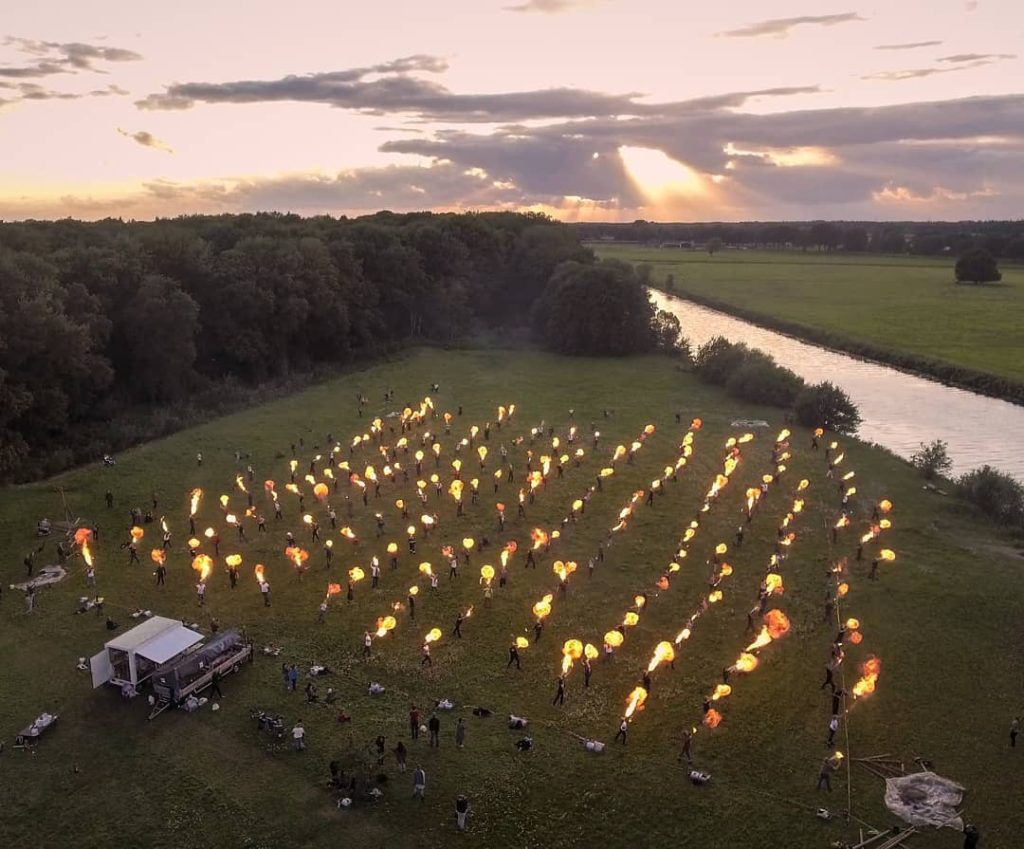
(907, 304)
(943, 619)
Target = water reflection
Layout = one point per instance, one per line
(899, 410)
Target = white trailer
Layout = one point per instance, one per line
(131, 658)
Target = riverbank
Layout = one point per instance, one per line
(903, 314)
(939, 619)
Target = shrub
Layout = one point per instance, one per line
(826, 405)
(761, 380)
(932, 460)
(998, 495)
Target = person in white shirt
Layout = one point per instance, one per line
(299, 736)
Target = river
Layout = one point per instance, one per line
(899, 410)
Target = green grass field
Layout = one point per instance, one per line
(944, 619)
(908, 304)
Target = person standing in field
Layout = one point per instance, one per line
(460, 733)
(419, 783)
(299, 736)
(1014, 731)
(401, 753)
(434, 726)
(513, 656)
(623, 727)
(461, 810)
(414, 723)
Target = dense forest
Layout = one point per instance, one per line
(112, 332)
(1002, 239)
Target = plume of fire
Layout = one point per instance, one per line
(885, 505)
(884, 524)
(607, 472)
(356, 574)
(675, 567)
(721, 692)
(259, 570)
(852, 624)
(348, 533)
(457, 465)
(777, 623)
(746, 663)
(433, 635)
(571, 650)
(501, 413)
(385, 624)
(747, 437)
(487, 572)
(870, 535)
(468, 543)
(664, 652)
(370, 473)
(333, 589)
(887, 554)
(455, 490)
(763, 639)
(856, 638)
(662, 582)
(635, 701)
(536, 477)
(86, 551)
(620, 451)
(851, 491)
(292, 488)
(137, 533)
(158, 555)
(725, 571)
(783, 436)
(329, 473)
(753, 493)
(721, 548)
(630, 619)
(639, 601)
(209, 533)
(522, 643)
(224, 501)
(613, 638)
(773, 584)
(819, 431)
(842, 522)
(308, 519)
(321, 490)
(297, 555)
(766, 478)
(543, 607)
(82, 536)
(233, 560)
(870, 669)
(426, 569)
(539, 538)
(838, 459)
(843, 589)
(194, 542)
(268, 485)
(414, 590)
(240, 483)
(202, 563)
(696, 424)
(634, 447)
(798, 505)
(590, 651)
(714, 596)
(504, 557)
(436, 448)
(482, 453)
(194, 501)
(712, 719)
(392, 548)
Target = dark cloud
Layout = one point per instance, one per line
(62, 57)
(781, 27)
(146, 139)
(389, 89)
(35, 91)
(913, 45)
(551, 7)
(977, 57)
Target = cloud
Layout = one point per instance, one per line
(551, 7)
(27, 91)
(913, 45)
(146, 139)
(781, 27)
(958, 62)
(62, 57)
(977, 57)
(390, 89)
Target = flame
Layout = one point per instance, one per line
(843, 522)
(682, 635)
(333, 589)
(543, 607)
(725, 571)
(696, 424)
(194, 542)
(426, 569)
(852, 624)
(635, 701)
(870, 670)
(746, 663)
(777, 623)
(320, 490)
(773, 584)
(385, 624)
(662, 583)
(712, 719)
(591, 651)
(487, 572)
(414, 590)
(843, 589)
(348, 533)
(194, 502)
(630, 619)
(539, 538)
(762, 640)
(887, 554)
(856, 637)
(297, 555)
(260, 570)
(714, 596)
(885, 524)
(231, 519)
(783, 435)
(203, 563)
(158, 555)
(613, 639)
(137, 533)
(639, 601)
(721, 691)
(433, 635)
(885, 505)
(392, 548)
(663, 653)
(468, 543)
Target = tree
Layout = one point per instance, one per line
(932, 460)
(855, 239)
(998, 495)
(977, 266)
(595, 309)
(714, 245)
(826, 405)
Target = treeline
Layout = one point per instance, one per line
(112, 333)
(754, 376)
(1003, 239)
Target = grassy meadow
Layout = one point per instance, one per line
(944, 619)
(907, 304)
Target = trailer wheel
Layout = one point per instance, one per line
(235, 668)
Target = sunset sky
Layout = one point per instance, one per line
(585, 109)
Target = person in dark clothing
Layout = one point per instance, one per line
(380, 749)
(586, 672)
(560, 694)
(623, 727)
(161, 573)
(829, 680)
(233, 576)
(457, 632)
(434, 726)
(215, 686)
(971, 837)
(538, 627)
(513, 656)
(837, 700)
(110, 499)
(647, 681)
(414, 723)
(1014, 731)
(412, 607)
